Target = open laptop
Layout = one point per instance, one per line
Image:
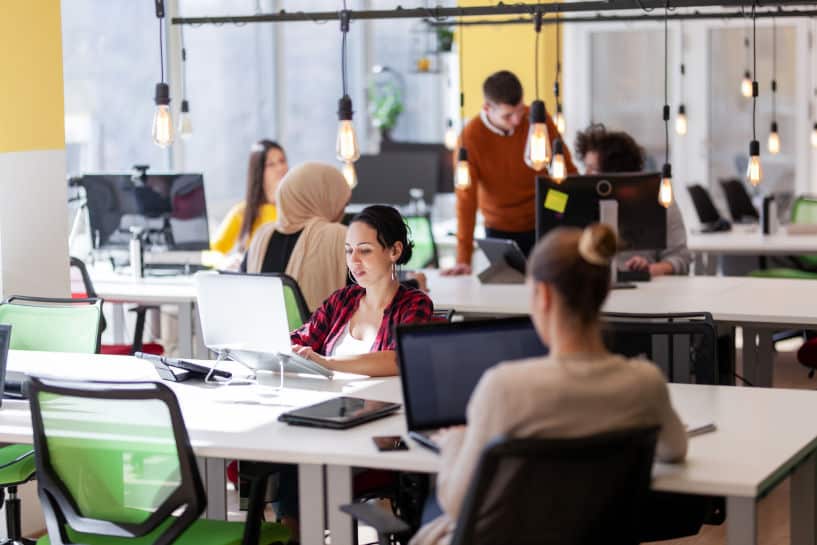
(243, 318)
(441, 364)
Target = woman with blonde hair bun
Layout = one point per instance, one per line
(579, 389)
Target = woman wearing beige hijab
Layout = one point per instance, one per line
(307, 241)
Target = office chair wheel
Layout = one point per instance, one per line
(19, 541)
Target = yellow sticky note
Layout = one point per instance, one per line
(556, 201)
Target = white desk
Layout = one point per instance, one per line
(760, 306)
(178, 291)
(708, 248)
(762, 438)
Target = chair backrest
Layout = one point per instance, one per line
(53, 325)
(739, 201)
(707, 213)
(90, 292)
(684, 346)
(297, 310)
(113, 459)
(804, 211)
(424, 252)
(559, 491)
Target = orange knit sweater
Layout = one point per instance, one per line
(502, 185)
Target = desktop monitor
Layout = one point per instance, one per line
(441, 364)
(642, 222)
(386, 178)
(170, 207)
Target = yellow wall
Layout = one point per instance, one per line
(31, 101)
(507, 47)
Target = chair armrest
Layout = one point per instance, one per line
(382, 521)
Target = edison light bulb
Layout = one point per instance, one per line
(814, 136)
(537, 148)
(346, 148)
(450, 136)
(681, 121)
(665, 190)
(558, 170)
(774, 140)
(561, 124)
(162, 120)
(754, 172)
(746, 85)
(462, 176)
(350, 175)
(185, 123)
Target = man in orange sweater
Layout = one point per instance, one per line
(502, 185)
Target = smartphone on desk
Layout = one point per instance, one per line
(385, 443)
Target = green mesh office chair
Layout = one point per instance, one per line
(804, 211)
(58, 325)
(424, 253)
(115, 466)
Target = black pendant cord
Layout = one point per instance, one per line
(666, 81)
(538, 29)
(184, 62)
(558, 59)
(774, 69)
(161, 53)
(462, 69)
(344, 29)
(754, 72)
(683, 64)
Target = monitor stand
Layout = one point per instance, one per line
(501, 273)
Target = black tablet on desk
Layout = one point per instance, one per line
(339, 413)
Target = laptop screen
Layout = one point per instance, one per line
(441, 364)
(5, 342)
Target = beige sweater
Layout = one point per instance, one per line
(569, 396)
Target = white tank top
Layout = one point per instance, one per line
(349, 346)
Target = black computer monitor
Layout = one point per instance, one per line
(642, 222)
(739, 201)
(171, 207)
(441, 364)
(5, 343)
(386, 178)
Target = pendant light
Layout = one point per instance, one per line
(754, 172)
(681, 118)
(665, 189)
(185, 123)
(561, 125)
(162, 120)
(346, 148)
(462, 173)
(450, 136)
(349, 174)
(558, 169)
(746, 82)
(774, 137)
(537, 147)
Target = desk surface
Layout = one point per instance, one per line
(743, 240)
(738, 300)
(761, 432)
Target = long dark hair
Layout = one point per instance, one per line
(255, 185)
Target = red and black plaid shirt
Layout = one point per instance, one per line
(327, 323)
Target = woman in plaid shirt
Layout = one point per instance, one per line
(353, 330)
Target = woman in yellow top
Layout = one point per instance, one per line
(268, 164)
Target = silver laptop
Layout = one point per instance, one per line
(244, 318)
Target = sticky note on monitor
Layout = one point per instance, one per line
(556, 201)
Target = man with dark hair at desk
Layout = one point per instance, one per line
(604, 151)
(502, 186)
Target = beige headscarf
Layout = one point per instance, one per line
(311, 197)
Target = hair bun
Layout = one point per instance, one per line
(597, 244)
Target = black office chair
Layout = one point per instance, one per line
(740, 203)
(708, 215)
(684, 346)
(548, 491)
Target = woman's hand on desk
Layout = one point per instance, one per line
(308, 353)
(637, 263)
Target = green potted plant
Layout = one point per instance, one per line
(385, 105)
(445, 39)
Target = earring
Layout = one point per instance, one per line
(394, 271)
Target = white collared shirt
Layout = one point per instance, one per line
(491, 127)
